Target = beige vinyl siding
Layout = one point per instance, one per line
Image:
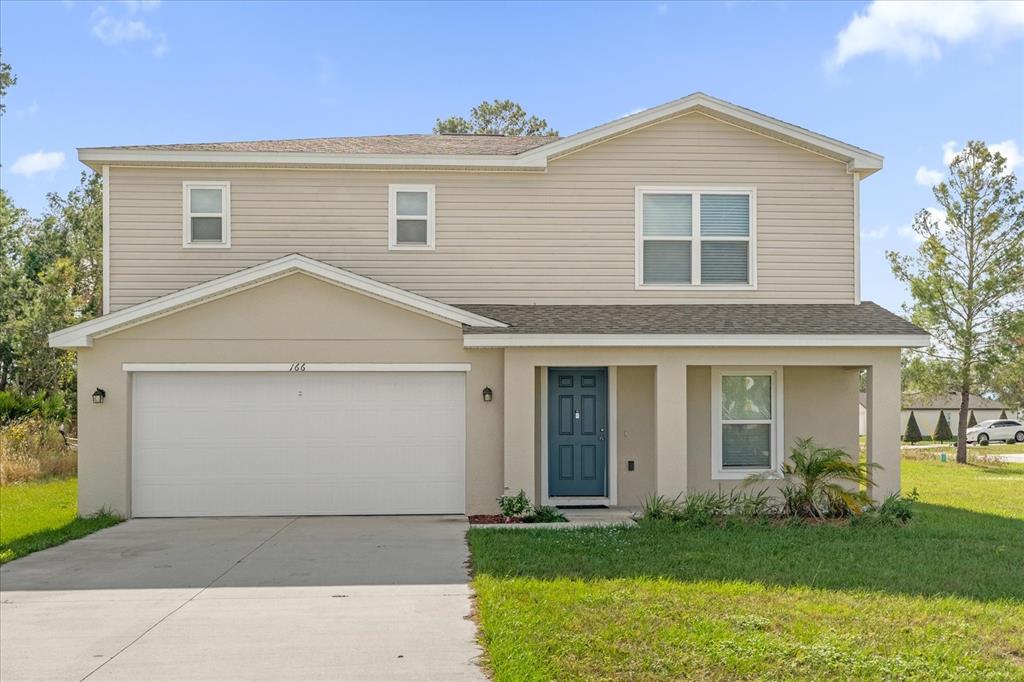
(561, 236)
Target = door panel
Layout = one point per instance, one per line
(577, 432)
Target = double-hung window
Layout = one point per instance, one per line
(411, 217)
(746, 421)
(207, 214)
(695, 237)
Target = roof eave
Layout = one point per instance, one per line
(514, 340)
(97, 157)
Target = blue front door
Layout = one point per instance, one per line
(578, 432)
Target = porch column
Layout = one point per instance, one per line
(670, 423)
(883, 417)
(520, 467)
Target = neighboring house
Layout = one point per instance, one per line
(926, 410)
(421, 323)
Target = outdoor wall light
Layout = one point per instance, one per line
(99, 395)
(488, 394)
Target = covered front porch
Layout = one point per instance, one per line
(608, 426)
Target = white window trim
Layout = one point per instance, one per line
(695, 191)
(393, 217)
(224, 215)
(720, 473)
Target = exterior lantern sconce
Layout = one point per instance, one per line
(488, 394)
(99, 395)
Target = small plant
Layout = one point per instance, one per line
(824, 482)
(658, 508)
(898, 508)
(913, 431)
(514, 506)
(942, 432)
(545, 514)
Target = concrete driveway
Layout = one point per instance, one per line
(309, 598)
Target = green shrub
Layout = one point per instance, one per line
(896, 510)
(913, 432)
(942, 432)
(658, 508)
(823, 482)
(545, 514)
(50, 407)
(514, 506)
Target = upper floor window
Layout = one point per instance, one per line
(411, 217)
(688, 237)
(207, 214)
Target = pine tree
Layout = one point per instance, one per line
(972, 421)
(942, 431)
(913, 432)
(1002, 415)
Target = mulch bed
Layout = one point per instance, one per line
(493, 518)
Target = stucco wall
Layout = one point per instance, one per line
(294, 319)
(819, 402)
(636, 434)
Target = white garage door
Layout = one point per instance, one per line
(284, 443)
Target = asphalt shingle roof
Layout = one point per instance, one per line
(375, 144)
(766, 318)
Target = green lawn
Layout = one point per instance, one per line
(34, 516)
(942, 598)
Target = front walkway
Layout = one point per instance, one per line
(307, 598)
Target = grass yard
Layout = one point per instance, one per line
(940, 599)
(34, 516)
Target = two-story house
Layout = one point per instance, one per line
(420, 323)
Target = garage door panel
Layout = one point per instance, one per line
(208, 444)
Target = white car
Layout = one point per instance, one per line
(1008, 430)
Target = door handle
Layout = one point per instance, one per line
(601, 433)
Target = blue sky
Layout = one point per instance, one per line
(912, 82)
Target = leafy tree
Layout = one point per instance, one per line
(50, 277)
(7, 79)
(972, 422)
(942, 431)
(1007, 378)
(967, 278)
(913, 431)
(500, 117)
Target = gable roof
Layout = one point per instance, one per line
(950, 401)
(472, 151)
(82, 335)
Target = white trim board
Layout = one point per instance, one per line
(855, 158)
(82, 335)
(294, 367)
(106, 239)
(694, 340)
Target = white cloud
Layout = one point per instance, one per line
(114, 29)
(927, 177)
(949, 151)
(921, 30)
(39, 162)
(875, 234)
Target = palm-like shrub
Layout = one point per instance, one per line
(824, 481)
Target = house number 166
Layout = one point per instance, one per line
(297, 367)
